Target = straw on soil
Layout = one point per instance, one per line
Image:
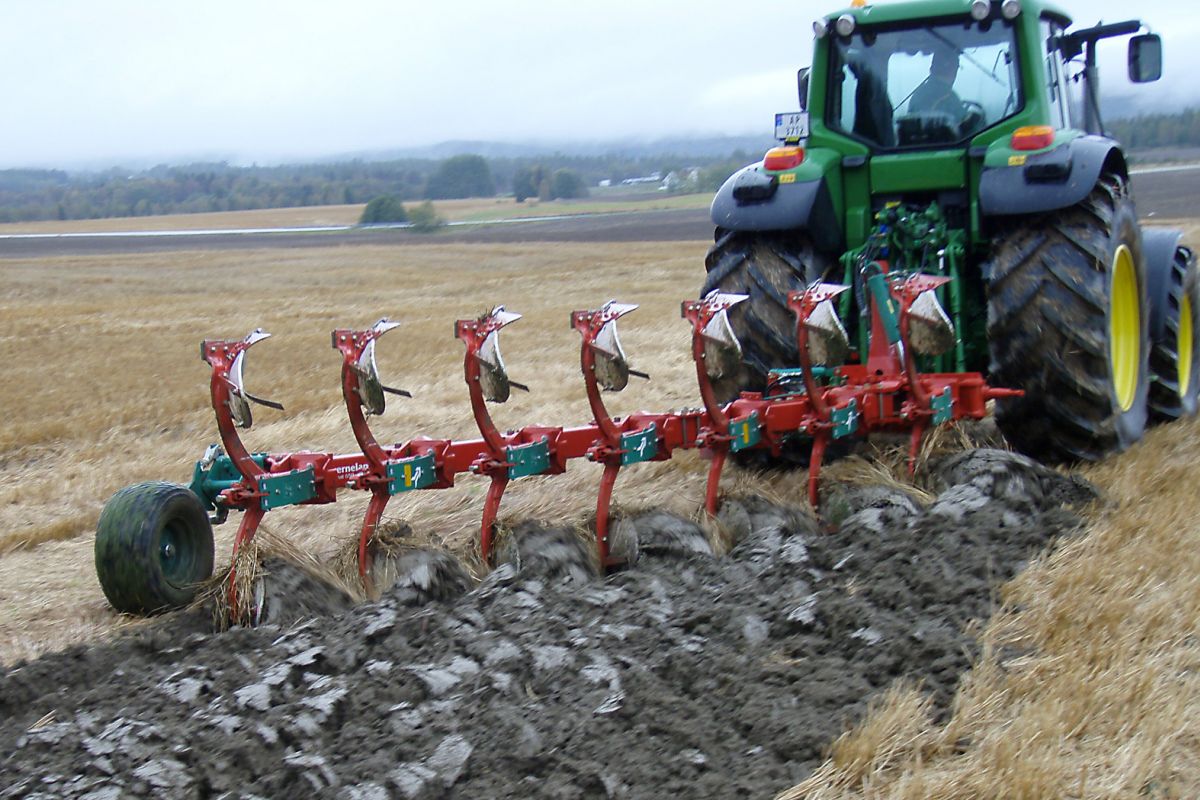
(1090, 674)
(239, 607)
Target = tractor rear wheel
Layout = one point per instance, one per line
(1175, 357)
(154, 546)
(765, 266)
(1068, 323)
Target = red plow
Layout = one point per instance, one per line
(819, 403)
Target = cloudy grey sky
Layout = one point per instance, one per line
(90, 81)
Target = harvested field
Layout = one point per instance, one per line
(714, 676)
(473, 209)
(130, 399)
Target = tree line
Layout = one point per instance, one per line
(1178, 129)
(31, 194)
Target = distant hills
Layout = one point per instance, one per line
(703, 148)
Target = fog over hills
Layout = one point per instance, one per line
(100, 82)
(704, 147)
(96, 83)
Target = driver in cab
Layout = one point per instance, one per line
(936, 93)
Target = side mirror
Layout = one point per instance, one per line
(802, 85)
(1145, 58)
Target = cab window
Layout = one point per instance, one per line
(926, 85)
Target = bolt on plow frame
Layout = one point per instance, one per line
(154, 543)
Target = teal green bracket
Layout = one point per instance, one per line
(640, 445)
(878, 284)
(943, 406)
(528, 459)
(207, 484)
(288, 488)
(845, 419)
(407, 474)
(744, 433)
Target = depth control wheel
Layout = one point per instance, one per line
(154, 546)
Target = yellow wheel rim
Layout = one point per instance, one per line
(1124, 328)
(1183, 347)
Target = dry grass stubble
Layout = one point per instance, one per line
(105, 388)
(1089, 685)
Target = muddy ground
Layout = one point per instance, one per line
(689, 673)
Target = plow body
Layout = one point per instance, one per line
(885, 393)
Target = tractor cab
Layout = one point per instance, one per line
(937, 73)
(922, 85)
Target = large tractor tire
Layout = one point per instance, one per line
(154, 546)
(1175, 324)
(1068, 323)
(765, 266)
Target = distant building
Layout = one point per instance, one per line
(683, 180)
(653, 177)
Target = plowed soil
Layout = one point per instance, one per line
(704, 675)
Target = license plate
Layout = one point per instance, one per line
(792, 125)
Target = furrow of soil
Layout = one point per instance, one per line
(710, 676)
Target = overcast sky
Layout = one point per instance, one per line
(94, 81)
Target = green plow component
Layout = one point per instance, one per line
(639, 446)
(745, 432)
(208, 481)
(407, 474)
(528, 459)
(288, 488)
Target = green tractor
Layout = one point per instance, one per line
(963, 138)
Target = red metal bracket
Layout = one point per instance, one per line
(714, 349)
(487, 379)
(364, 394)
(805, 304)
(230, 402)
(601, 359)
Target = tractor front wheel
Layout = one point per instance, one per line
(154, 546)
(765, 266)
(1068, 323)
